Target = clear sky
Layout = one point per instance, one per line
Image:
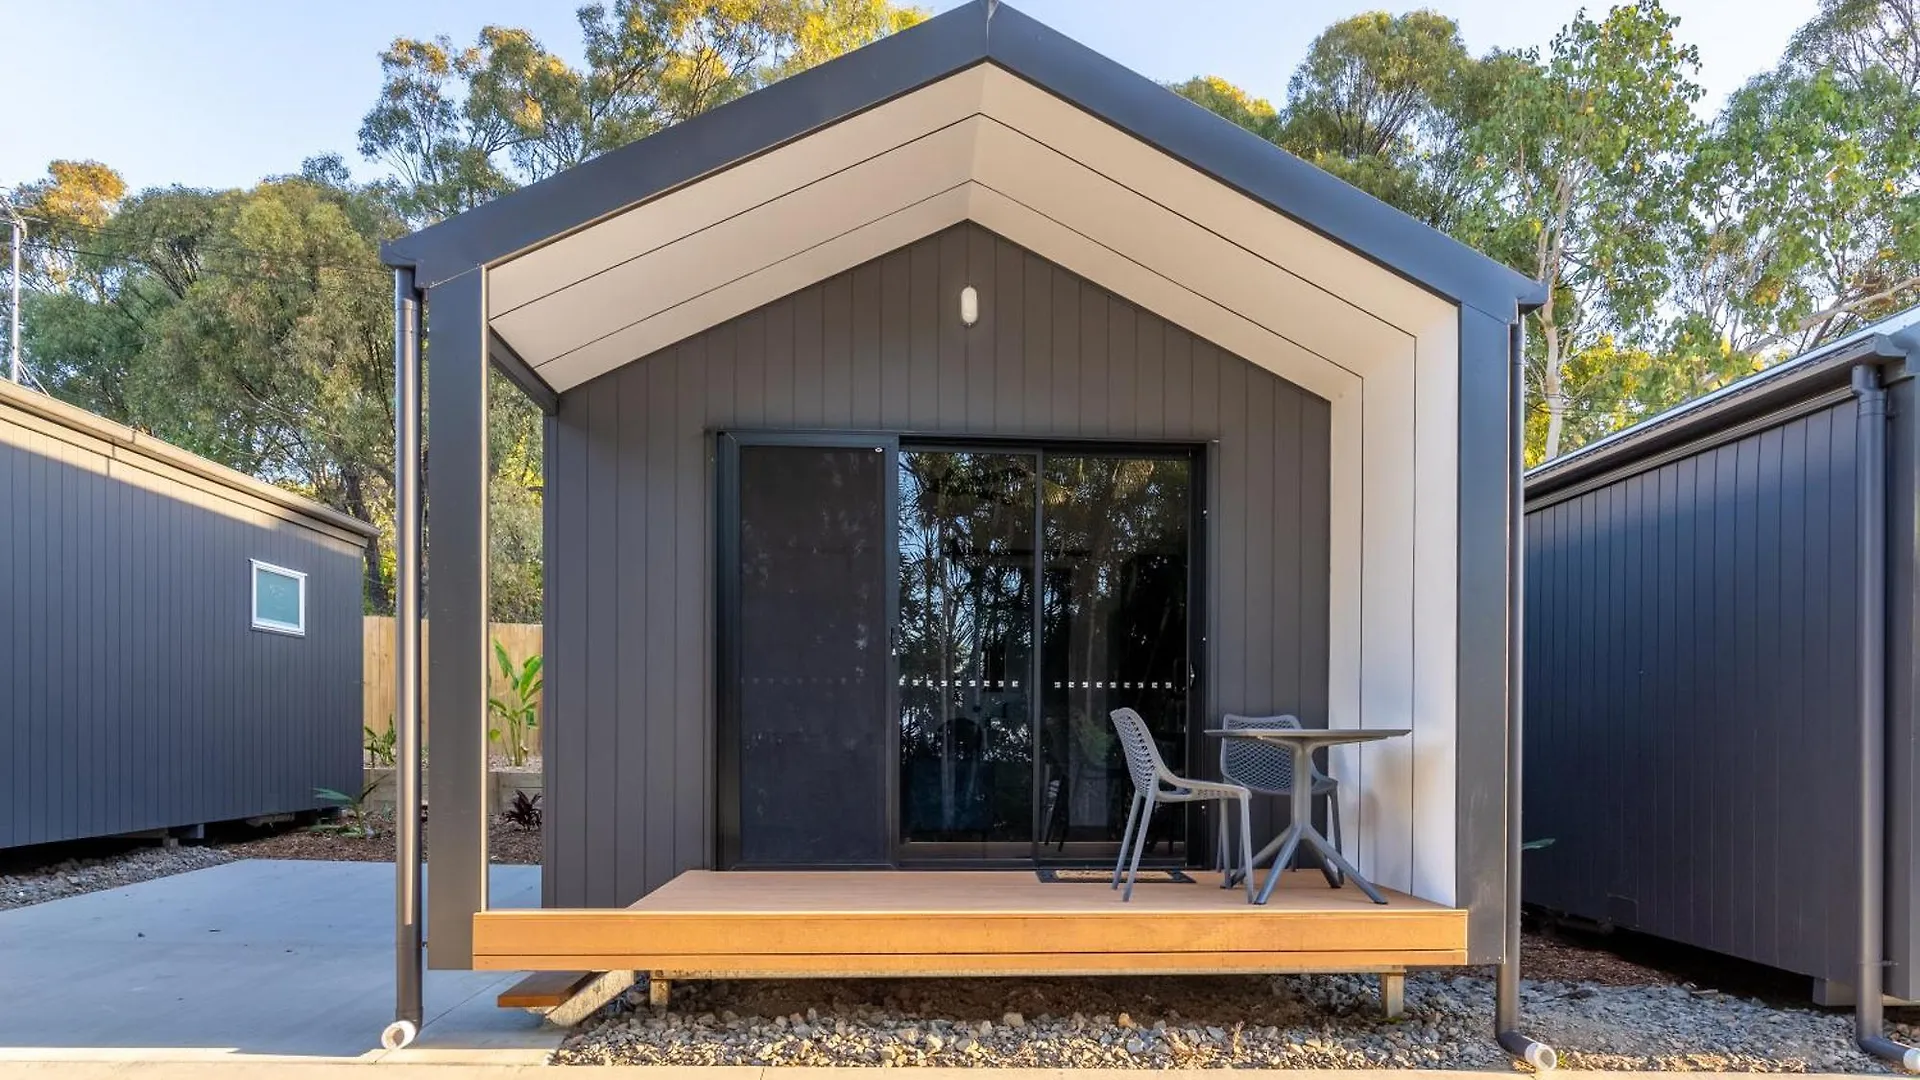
(223, 92)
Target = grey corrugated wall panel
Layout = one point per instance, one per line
(631, 610)
(134, 693)
(1903, 702)
(1690, 697)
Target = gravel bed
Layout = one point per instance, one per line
(1222, 1022)
(23, 883)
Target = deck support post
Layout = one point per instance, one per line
(1393, 994)
(659, 991)
(457, 605)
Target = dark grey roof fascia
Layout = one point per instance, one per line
(974, 33)
(1759, 393)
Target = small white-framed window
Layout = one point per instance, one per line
(279, 599)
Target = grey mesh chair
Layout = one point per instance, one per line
(1268, 770)
(1154, 784)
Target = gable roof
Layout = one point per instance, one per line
(980, 32)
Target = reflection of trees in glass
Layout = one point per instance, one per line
(966, 629)
(1114, 623)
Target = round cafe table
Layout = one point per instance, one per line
(1301, 743)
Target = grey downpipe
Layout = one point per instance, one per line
(1868, 1019)
(1506, 992)
(407, 923)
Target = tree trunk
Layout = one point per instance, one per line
(1551, 389)
(377, 597)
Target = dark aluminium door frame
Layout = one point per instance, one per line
(727, 666)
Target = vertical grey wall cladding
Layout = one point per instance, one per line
(630, 610)
(1690, 698)
(134, 693)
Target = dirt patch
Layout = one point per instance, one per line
(1547, 956)
(507, 844)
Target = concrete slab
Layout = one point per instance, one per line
(259, 958)
(236, 1070)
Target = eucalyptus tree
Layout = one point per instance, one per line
(1589, 152)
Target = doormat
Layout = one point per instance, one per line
(1105, 877)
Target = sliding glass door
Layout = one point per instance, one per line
(966, 629)
(1006, 751)
(921, 644)
(1117, 532)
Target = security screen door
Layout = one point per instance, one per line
(805, 661)
(1015, 594)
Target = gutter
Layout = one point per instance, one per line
(1869, 1027)
(1506, 993)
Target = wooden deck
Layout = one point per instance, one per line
(755, 924)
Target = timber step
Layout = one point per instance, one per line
(543, 990)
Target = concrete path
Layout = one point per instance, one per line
(272, 1071)
(261, 959)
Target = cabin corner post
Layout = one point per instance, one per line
(408, 934)
(457, 609)
(1481, 642)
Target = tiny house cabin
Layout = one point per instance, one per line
(1721, 669)
(904, 420)
(180, 644)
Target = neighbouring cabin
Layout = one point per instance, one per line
(906, 418)
(1694, 694)
(179, 643)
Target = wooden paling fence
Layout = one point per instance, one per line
(521, 640)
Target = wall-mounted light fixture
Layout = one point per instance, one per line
(969, 305)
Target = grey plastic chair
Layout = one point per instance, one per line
(1154, 784)
(1268, 770)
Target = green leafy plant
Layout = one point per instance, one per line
(378, 745)
(516, 711)
(353, 808)
(525, 811)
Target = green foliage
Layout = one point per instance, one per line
(1679, 255)
(524, 811)
(461, 125)
(378, 745)
(253, 326)
(519, 711)
(1232, 103)
(353, 808)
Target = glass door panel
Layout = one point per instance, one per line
(1116, 542)
(964, 652)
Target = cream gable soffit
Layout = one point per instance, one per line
(609, 293)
